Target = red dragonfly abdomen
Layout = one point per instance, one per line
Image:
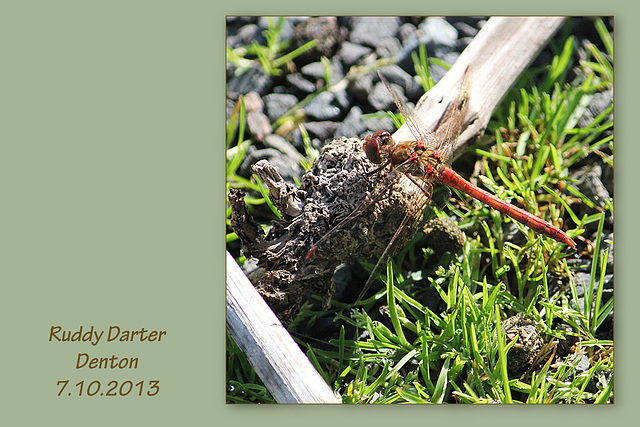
(449, 177)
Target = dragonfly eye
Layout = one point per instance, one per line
(377, 146)
(372, 149)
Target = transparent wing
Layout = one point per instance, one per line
(453, 119)
(417, 128)
(450, 125)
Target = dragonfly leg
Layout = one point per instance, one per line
(425, 187)
(378, 169)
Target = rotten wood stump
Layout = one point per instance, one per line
(336, 185)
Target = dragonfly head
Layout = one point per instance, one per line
(378, 146)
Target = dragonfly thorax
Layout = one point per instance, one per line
(411, 157)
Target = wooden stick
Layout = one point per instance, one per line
(277, 359)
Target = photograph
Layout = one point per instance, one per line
(419, 209)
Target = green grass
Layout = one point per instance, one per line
(391, 348)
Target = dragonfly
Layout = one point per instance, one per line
(425, 161)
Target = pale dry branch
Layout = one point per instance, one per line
(283, 368)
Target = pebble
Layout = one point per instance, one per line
(371, 30)
(277, 104)
(323, 107)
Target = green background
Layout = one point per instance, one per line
(112, 170)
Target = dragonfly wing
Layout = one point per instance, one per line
(418, 129)
(451, 124)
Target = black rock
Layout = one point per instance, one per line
(590, 184)
(600, 102)
(381, 100)
(406, 32)
(324, 130)
(241, 30)
(440, 39)
(277, 104)
(289, 168)
(352, 125)
(388, 48)
(584, 30)
(411, 89)
(465, 29)
(323, 107)
(300, 84)
(351, 53)
(371, 30)
(245, 36)
(313, 71)
(361, 87)
(252, 80)
(438, 32)
(316, 71)
(281, 144)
